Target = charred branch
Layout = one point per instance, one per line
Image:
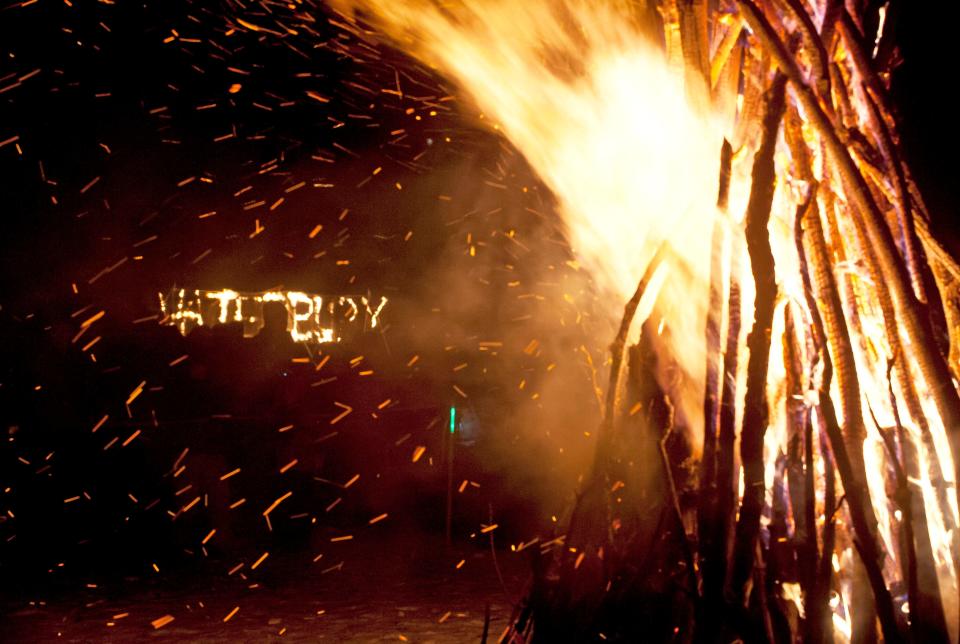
(617, 350)
(758, 342)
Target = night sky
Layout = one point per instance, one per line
(168, 144)
(921, 89)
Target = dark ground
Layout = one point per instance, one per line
(397, 586)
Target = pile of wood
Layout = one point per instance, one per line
(739, 541)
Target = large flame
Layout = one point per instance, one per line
(604, 120)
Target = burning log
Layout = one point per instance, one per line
(819, 627)
(617, 350)
(710, 520)
(928, 623)
(755, 403)
(801, 481)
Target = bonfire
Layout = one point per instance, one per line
(777, 456)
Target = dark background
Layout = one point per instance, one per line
(124, 146)
(923, 92)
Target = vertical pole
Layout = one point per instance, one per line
(451, 441)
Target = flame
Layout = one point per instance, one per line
(604, 120)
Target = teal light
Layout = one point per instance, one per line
(453, 420)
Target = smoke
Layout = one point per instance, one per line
(507, 325)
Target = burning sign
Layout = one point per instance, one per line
(314, 319)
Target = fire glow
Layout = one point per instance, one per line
(311, 319)
(628, 136)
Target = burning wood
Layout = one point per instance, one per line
(845, 275)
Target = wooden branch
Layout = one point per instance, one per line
(711, 527)
(884, 59)
(793, 134)
(813, 46)
(819, 627)
(727, 475)
(820, 615)
(853, 42)
(707, 517)
(755, 70)
(927, 610)
(714, 311)
(946, 274)
(947, 284)
(711, 393)
(846, 445)
(760, 592)
(605, 435)
(696, 49)
(724, 50)
(831, 14)
(907, 231)
(758, 341)
(927, 622)
(799, 467)
(844, 114)
(674, 499)
(590, 522)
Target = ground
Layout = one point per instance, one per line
(407, 588)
